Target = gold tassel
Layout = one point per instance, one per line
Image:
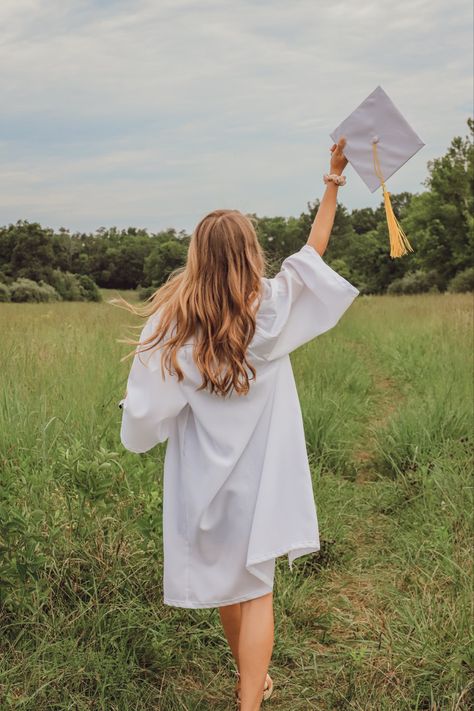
(399, 244)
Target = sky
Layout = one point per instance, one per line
(151, 113)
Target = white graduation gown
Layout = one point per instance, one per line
(237, 485)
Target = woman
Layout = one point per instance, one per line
(220, 388)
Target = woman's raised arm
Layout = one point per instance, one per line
(324, 220)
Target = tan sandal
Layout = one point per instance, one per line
(267, 689)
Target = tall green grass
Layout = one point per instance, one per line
(379, 619)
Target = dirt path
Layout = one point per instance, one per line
(385, 399)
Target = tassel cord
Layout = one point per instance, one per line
(399, 244)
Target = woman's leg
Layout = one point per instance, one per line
(230, 618)
(255, 647)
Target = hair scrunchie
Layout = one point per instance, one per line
(334, 178)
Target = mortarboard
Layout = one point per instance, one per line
(379, 141)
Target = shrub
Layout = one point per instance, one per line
(4, 292)
(395, 287)
(463, 281)
(145, 292)
(23, 290)
(89, 289)
(66, 285)
(75, 287)
(5, 278)
(414, 283)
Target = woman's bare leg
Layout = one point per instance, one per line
(230, 618)
(255, 647)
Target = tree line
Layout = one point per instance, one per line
(438, 221)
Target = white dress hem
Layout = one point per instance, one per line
(314, 545)
(300, 549)
(193, 604)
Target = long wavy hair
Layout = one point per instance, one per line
(212, 299)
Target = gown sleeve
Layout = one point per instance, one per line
(306, 298)
(151, 404)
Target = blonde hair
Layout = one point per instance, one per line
(214, 298)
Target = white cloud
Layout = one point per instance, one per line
(151, 113)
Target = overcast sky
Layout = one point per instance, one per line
(153, 112)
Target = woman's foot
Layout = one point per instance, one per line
(267, 689)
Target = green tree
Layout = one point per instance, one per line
(364, 219)
(162, 260)
(33, 254)
(440, 221)
(7, 245)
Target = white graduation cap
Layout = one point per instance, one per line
(379, 141)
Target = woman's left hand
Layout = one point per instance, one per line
(338, 159)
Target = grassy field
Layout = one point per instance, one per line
(379, 620)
